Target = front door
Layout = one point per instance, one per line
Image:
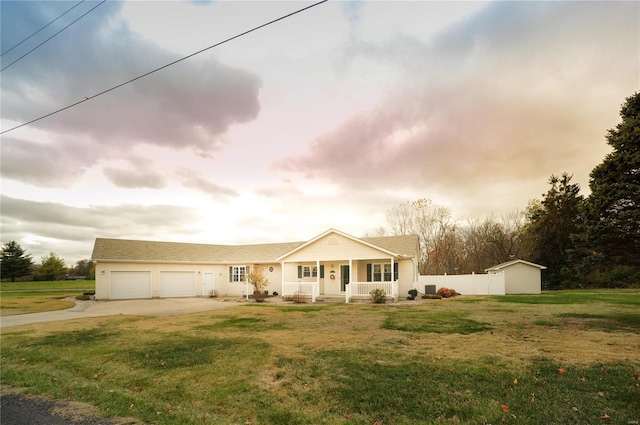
(208, 285)
(344, 278)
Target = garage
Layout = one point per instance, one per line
(177, 284)
(128, 285)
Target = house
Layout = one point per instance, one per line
(520, 277)
(330, 264)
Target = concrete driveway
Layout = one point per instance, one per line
(153, 307)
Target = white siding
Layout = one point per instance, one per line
(335, 247)
(522, 279)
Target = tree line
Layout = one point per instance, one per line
(17, 264)
(591, 241)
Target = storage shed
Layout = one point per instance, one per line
(520, 277)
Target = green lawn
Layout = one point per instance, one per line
(515, 360)
(47, 285)
(34, 297)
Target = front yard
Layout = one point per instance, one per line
(520, 360)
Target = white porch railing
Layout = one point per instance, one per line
(306, 288)
(360, 289)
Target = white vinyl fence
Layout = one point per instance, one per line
(466, 284)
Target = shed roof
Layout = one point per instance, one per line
(178, 252)
(511, 263)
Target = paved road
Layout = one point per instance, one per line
(153, 307)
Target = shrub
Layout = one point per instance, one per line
(447, 293)
(297, 298)
(378, 296)
(259, 296)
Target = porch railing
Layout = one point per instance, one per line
(363, 289)
(304, 288)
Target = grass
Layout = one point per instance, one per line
(440, 361)
(425, 321)
(576, 296)
(35, 297)
(48, 285)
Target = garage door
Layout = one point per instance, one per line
(127, 285)
(177, 284)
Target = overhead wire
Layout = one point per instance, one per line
(51, 22)
(166, 66)
(85, 14)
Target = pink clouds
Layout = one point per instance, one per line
(497, 98)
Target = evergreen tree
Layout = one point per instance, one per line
(550, 224)
(610, 235)
(15, 263)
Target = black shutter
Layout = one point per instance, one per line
(395, 271)
(369, 273)
(230, 273)
(321, 271)
(299, 272)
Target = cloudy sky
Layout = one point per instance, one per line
(325, 119)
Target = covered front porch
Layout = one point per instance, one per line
(352, 279)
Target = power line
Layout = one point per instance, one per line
(73, 7)
(166, 66)
(85, 14)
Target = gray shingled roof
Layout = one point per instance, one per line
(136, 250)
(406, 245)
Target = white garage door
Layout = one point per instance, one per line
(177, 284)
(127, 285)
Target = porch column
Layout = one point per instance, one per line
(348, 290)
(246, 281)
(317, 281)
(282, 278)
(392, 274)
(393, 285)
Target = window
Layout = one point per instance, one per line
(237, 273)
(310, 271)
(387, 272)
(381, 272)
(377, 272)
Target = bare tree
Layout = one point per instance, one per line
(400, 219)
(433, 224)
(447, 247)
(490, 241)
